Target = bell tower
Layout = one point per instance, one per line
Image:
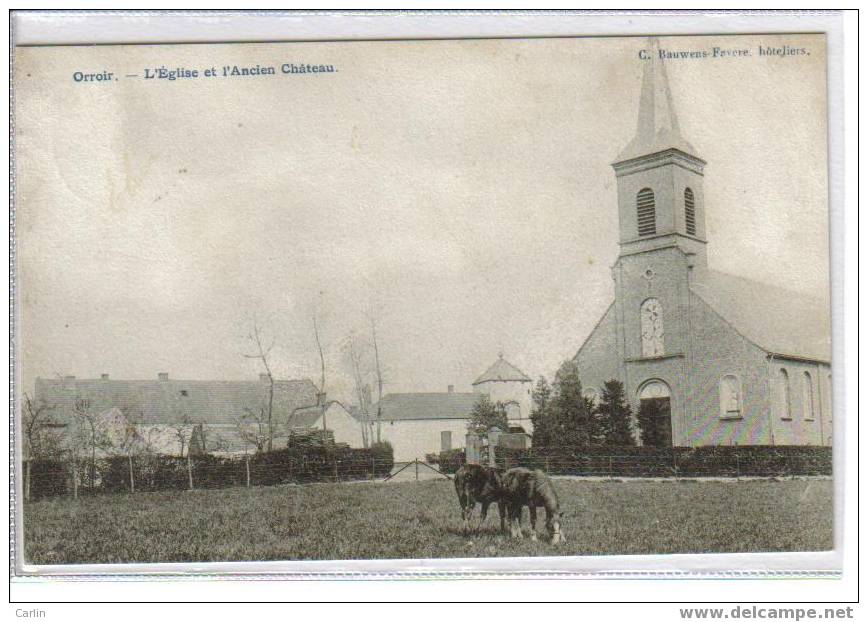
(661, 213)
(659, 175)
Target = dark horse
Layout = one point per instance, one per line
(474, 484)
(523, 487)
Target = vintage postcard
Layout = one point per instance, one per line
(423, 299)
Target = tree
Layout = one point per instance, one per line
(379, 371)
(320, 397)
(40, 437)
(486, 415)
(88, 435)
(262, 353)
(182, 429)
(563, 416)
(355, 350)
(613, 417)
(252, 428)
(539, 416)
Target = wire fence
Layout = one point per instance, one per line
(153, 473)
(162, 473)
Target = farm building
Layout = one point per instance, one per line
(222, 417)
(721, 360)
(417, 424)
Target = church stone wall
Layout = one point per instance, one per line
(717, 350)
(799, 427)
(598, 360)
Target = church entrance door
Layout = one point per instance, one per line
(655, 414)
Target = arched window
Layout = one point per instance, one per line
(783, 394)
(689, 212)
(651, 327)
(807, 397)
(730, 397)
(646, 217)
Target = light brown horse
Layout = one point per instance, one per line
(523, 487)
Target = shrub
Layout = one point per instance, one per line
(451, 461)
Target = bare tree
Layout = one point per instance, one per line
(40, 437)
(252, 428)
(320, 399)
(182, 429)
(262, 353)
(379, 372)
(89, 434)
(355, 349)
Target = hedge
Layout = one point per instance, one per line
(297, 464)
(721, 461)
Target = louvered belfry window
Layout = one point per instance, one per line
(689, 212)
(647, 219)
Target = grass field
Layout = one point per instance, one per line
(421, 519)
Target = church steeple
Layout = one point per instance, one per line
(657, 127)
(660, 196)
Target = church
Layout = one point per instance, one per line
(719, 359)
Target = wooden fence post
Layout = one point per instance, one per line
(190, 470)
(611, 469)
(416, 461)
(74, 479)
(247, 468)
(548, 464)
(337, 476)
(132, 477)
(737, 467)
(373, 465)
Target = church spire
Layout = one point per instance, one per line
(657, 127)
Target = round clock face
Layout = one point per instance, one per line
(652, 328)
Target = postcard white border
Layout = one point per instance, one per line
(188, 27)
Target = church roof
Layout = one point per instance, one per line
(657, 126)
(778, 320)
(502, 370)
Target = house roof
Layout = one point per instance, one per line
(778, 320)
(169, 401)
(502, 370)
(657, 126)
(305, 417)
(410, 406)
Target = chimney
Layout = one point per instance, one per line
(451, 388)
(104, 376)
(263, 377)
(163, 376)
(321, 399)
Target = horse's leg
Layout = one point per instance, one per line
(515, 519)
(532, 511)
(483, 515)
(501, 510)
(466, 510)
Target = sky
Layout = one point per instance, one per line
(459, 192)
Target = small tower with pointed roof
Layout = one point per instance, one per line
(504, 382)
